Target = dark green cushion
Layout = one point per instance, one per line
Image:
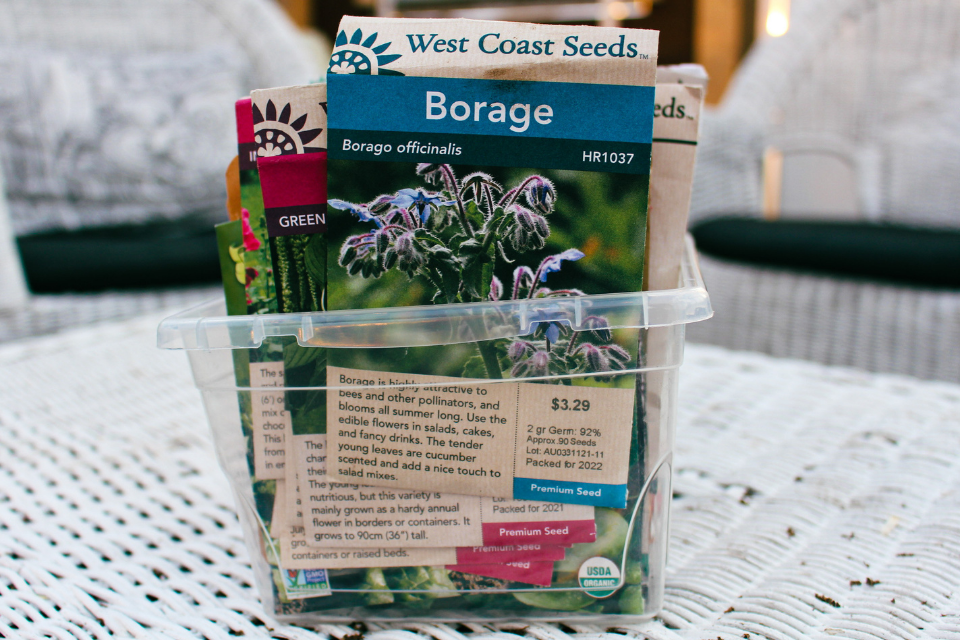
(163, 254)
(881, 252)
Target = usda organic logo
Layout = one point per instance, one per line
(599, 577)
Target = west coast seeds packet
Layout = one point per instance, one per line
(476, 161)
(538, 249)
(289, 163)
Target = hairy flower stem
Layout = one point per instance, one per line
(573, 342)
(462, 215)
(536, 279)
(487, 241)
(449, 179)
(511, 196)
(451, 182)
(490, 362)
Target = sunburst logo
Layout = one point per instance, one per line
(276, 135)
(361, 56)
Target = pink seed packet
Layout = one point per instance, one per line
(295, 205)
(532, 572)
(510, 553)
(294, 193)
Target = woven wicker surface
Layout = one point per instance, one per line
(811, 503)
(862, 324)
(45, 314)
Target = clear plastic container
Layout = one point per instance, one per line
(634, 539)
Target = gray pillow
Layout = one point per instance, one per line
(104, 138)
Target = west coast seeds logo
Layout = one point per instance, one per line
(360, 56)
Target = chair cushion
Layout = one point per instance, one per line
(99, 139)
(924, 257)
(161, 254)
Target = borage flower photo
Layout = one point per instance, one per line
(452, 236)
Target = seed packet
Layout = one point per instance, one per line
(525, 571)
(289, 125)
(466, 591)
(284, 179)
(461, 151)
(429, 578)
(679, 99)
(510, 162)
(261, 296)
(351, 526)
(253, 264)
(555, 236)
(294, 192)
(290, 133)
(338, 514)
(266, 436)
(232, 178)
(676, 127)
(295, 552)
(230, 250)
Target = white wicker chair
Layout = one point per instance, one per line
(119, 111)
(863, 99)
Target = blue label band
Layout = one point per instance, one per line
(509, 108)
(588, 493)
(543, 153)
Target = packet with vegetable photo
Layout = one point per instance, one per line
(449, 395)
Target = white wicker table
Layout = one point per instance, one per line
(812, 502)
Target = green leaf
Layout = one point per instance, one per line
(470, 248)
(315, 276)
(559, 600)
(285, 272)
(450, 282)
(315, 258)
(474, 215)
(303, 279)
(474, 368)
(312, 421)
(473, 280)
(486, 278)
(425, 235)
(319, 376)
(631, 600)
(296, 356)
(374, 589)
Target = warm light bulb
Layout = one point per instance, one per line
(777, 23)
(618, 10)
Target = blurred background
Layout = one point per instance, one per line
(826, 200)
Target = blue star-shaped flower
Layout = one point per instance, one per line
(420, 200)
(551, 264)
(552, 330)
(358, 210)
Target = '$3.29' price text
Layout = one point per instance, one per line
(562, 404)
